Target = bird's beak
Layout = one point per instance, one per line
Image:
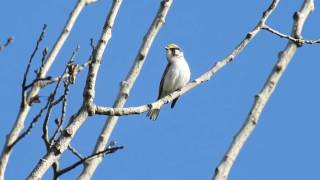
(166, 48)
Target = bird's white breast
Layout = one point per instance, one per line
(177, 76)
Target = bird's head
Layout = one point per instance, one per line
(173, 50)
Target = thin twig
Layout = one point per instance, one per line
(31, 125)
(52, 102)
(24, 81)
(92, 156)
(43, 82)
(40, 69)
(298, 41)
(75, 152)
(60, 120)
(63, 98)
(37, 80)
(92, 44)
(70, 75)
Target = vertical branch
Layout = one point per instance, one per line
(223, 169)
(24, 110)
(25, 76)
(53, 102)
(79, 118)
(126, 86)
(59, 121)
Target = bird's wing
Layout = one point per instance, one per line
(162, 81)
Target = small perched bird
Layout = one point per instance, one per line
(175, 76)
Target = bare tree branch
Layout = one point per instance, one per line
(31, 125)
(73, 70)
(35, 119)
(223, 169)
(88, 96)
(126, 86)
(104, 152)
(60, 139)
(300, 42)
(25, 76)
(24, 110)
(118, 111)
(53, 102)
(59, 121)
(75, 152)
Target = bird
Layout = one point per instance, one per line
(175, 76)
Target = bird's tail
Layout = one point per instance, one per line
(153, 114)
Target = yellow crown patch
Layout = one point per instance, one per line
(172, 46)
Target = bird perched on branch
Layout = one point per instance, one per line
(175, 76)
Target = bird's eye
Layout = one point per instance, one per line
(174, 49)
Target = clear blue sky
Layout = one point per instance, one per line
(190, 140)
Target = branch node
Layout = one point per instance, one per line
(125, 89)
(299, 41)
(67, 132)
(278, 67)
(254, 121)
(56, 151)
(249, 35)
(91, 109)
(296, 16)
(141, 56)
(257, 96)
(196, 81)
(66, 30)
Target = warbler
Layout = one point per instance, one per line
(175, 76)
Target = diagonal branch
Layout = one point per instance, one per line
(23, 87)
(223, 169)
(118, 111)
(79, 118)
(92, 156)
(31, 125)
(126, 86)
(75, 152)
(24, 110)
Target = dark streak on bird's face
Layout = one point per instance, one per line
(173, 51)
